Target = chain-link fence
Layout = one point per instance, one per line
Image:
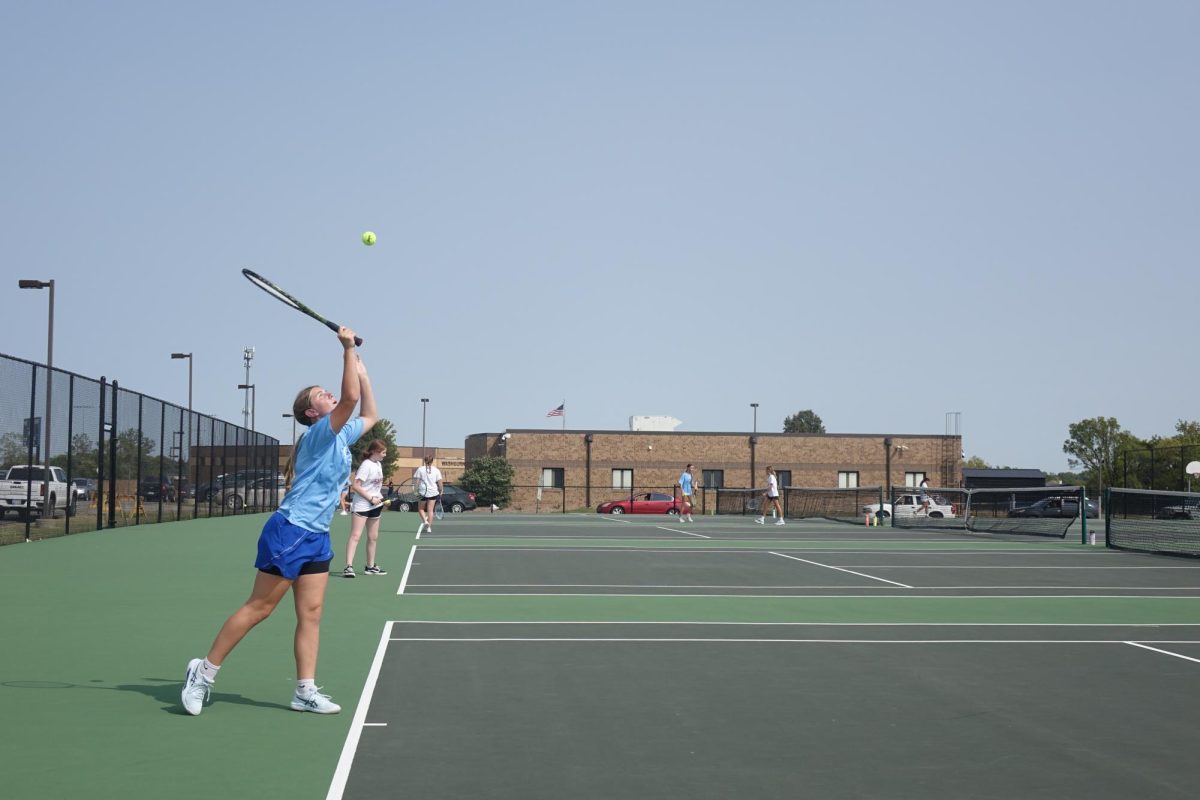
(90, 455)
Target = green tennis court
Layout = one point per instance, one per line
(580, 656)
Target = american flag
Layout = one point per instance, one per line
(557, 412)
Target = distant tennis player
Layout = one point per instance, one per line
(428, 480)
(923, 489)
(368, 508)
(770, 499)
(293, 549)
(685, 489)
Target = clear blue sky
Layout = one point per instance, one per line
(880, 211)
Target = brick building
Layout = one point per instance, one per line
(577, 469)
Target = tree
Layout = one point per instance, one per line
(14, 449)
(490, 478)
(805, 421)
(975, 462)
(83, 457)
(384, 432)
(1094, 444)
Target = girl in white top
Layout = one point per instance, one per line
(771, 499)
(368, 508)
(428, 480)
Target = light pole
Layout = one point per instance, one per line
(188, 356)
(34, 284)
(285, 416)
(247, 357)
(755, 407)
(424, 403)
(253, 400)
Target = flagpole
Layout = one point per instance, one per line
(564, 408)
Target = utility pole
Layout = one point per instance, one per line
(247, 357)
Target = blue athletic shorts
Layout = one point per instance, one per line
(285, 549)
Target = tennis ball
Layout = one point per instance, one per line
(368, 238)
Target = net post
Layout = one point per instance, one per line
(1083, 531)
(1107, 512)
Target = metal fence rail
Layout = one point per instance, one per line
(141, 459)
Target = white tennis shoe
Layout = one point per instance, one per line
(196, 688)
(315, 702)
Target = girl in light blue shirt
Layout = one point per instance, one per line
(294, 550)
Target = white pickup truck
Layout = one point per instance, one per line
(16, 493)
(909, 505)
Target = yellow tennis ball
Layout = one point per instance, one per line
(368, 238)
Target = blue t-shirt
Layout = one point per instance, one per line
(685, 483)
(321, 464)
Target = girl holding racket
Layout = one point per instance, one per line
(428, 480)
(368, 507)
(770, 500)
(294, 550)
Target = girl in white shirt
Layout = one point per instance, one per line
(368, 507)
(770, 499)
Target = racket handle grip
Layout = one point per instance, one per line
(333, 326)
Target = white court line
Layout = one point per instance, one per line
(839, 569)
(807, 624)
(375, 724)
(674, 530)
(338, 785)
(407, 568)
(577, 640)
(773, 586)
(616, 518)
(906, 595)
(985, 566)
(1166, 652)
(622, 547)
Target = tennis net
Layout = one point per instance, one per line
(1033, 511)
(1153, 522)
(837, 505)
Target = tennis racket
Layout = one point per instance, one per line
(437, 510)
(288, 300)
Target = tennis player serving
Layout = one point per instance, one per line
(293, 549)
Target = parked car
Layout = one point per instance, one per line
(909, 505)
(85, 488)
(217, 485)
(455, 499)
(152, 490)
(45, 486)
(256, 493)
(645, 503)
(1065, 507)
(1188, 509)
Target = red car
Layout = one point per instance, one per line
(648, 503)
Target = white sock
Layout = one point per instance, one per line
(209, 670)
(306, 686)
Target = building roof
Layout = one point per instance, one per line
(975, 472)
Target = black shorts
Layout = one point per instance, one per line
(433, 499)
(311, 568)
(370, 513)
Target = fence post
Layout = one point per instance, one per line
(29, 452)
(1083, 531)
(101, 489)
(112, 459)
(71, 500)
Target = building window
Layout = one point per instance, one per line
(848, 480)
(714, 479)
(913, 479)
(622, 479)
(783, 477)
(553, 477)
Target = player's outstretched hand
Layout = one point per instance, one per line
(346, 337)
